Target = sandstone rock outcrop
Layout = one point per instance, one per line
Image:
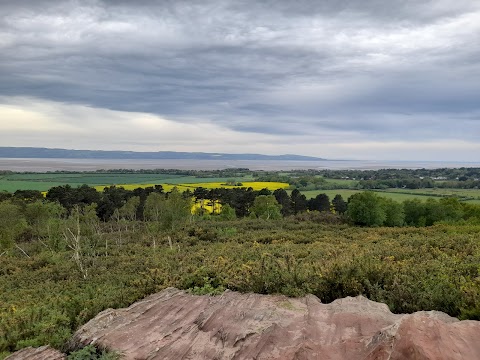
(174, 325)
(41, 353)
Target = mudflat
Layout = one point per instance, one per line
(44, 165)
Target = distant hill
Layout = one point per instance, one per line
(32, 152)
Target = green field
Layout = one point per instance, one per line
(346, 193)
(45, 181)
(343, 182)
(402, 197)
(470, 193)
(471, 196)
(473, 202)
(399, 194)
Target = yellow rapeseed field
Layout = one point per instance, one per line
(208, 206)
(255, 185)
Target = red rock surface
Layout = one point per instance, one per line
(174, 325)
(41, 353)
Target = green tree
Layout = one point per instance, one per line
(266, 207)
(112, 198)
(319, 203)
(63, 195)
(177, 211)
(299, 202)
(39, 215)
(28, 195)
(285, 202)
(68, 196)
(12, 224)
(434, 212)
(168, 213)
(240, 199)
(4, 195)
(154, 207)
(447, 209)
(452, 209)
(471, 211)
(264, 191)
(227, 213)
(129, 210)
(414, 212)
(366, 209)
(395, 216)
(339, 205)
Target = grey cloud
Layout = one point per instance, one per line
(391, 70)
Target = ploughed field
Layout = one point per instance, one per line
(45, 296)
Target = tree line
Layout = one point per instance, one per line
(30, 213)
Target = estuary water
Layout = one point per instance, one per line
(44, 165)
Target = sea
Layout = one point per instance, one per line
(46, 165)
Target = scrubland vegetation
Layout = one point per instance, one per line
(71, 254)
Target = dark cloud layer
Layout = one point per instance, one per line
(371, 70)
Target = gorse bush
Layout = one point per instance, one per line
(60, 267)
(45, 296)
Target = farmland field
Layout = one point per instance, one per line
(255, 185)
(45, 181)
(346, 193)
(402, 194)
(130, 181)
(343, 182)
(466, 193)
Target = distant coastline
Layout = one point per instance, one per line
(47, 153)
(78, 165)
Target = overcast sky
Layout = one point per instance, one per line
(370, 79)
